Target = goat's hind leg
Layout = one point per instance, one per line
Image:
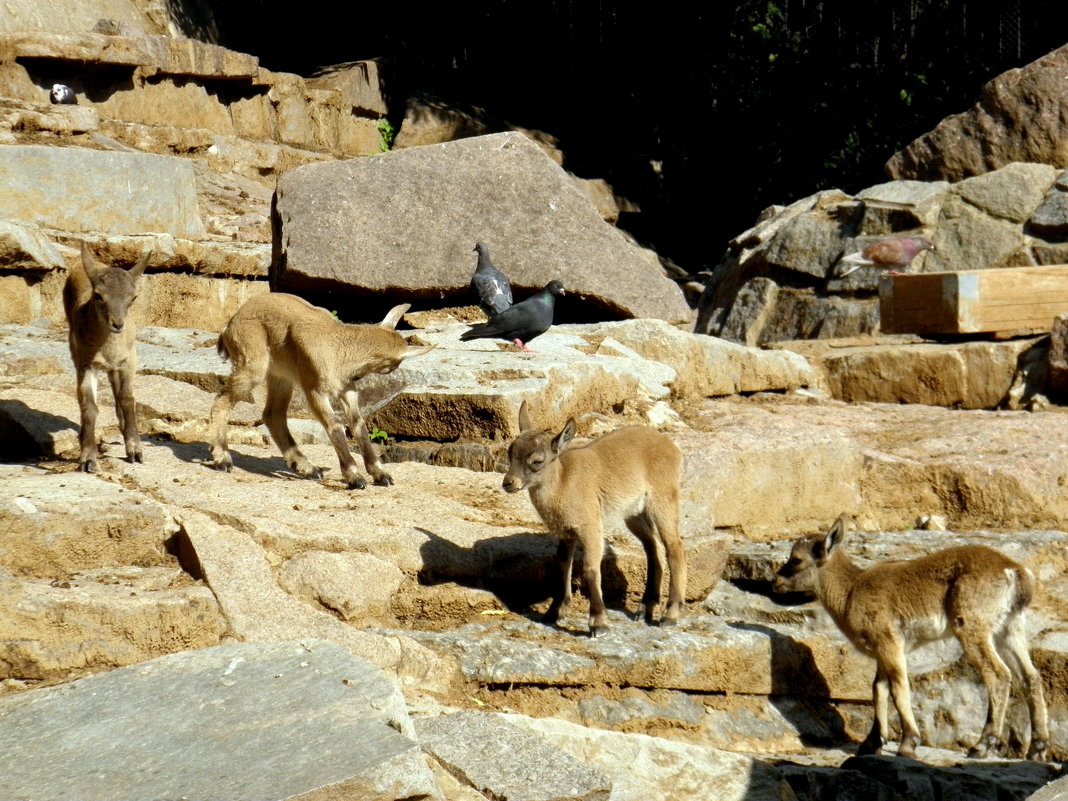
(642, 528)
(664, 514)
(1014, 650)
(275, 411)
(980, 650)
(238, 387)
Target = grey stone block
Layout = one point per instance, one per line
(247, 721)
(506, 762)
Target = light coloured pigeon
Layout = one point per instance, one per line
(490, 284)
(523, 321)
(895, 254)
(62, 94)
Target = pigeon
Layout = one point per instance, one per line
(896, 252)
(523, 321)
(490, 284)
(62, 94)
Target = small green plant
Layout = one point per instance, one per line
(378, 433)
(388, 134)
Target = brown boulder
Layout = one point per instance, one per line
(1019, 117)
(402, 225)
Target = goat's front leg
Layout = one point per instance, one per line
(592, 550)
(880, 701)
(565, 560)
(321, 407)
(87, 386)
(892, 659)
(126, 410)
(350, 402)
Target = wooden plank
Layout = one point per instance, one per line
(973, 301)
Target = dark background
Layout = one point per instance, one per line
(741, 104)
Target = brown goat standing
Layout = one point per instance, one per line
(631, 473)
(971, 592)
(97, 300)
(288, 342)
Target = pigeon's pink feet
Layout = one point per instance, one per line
(519, 344)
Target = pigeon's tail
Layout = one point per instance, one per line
(476, 332)
(851, 263)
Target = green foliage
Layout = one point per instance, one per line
(388, 134)
(378, 434)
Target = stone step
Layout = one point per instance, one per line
(244, 721)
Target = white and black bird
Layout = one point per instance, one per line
(523, 321)
(894, 254)
(490, 284)
(62, 94)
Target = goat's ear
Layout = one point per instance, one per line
(563, 439)
(836, 536)
(524, 417)
(390, 321)
(137, 269)
(92, 267)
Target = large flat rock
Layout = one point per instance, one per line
(403, 224)
(75, 189)
(507, 762)
(290, 720)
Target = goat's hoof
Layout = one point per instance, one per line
(1038, 751)
(987, 746)
(869, 747)
(597, 631)
(138, 457)
(384, 480)
(88, 466)
(668, 623)
(357, 482)
(907, 749)
(222, 465)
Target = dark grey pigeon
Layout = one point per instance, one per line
(490, 284)
(523, 321)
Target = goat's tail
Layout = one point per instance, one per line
(1025, 589)
(220, 347)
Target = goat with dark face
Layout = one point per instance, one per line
(97, 301)
(972, 592)
(632, 473)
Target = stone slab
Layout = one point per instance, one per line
(75, 189)
(506, 762)
(407, 221)
(246, 721)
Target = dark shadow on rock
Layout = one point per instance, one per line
(26, 433)
(799, 691)
(520, 569)
(892, 778)
(200, 453)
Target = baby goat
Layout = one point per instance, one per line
(288, 342)
(97, 301)
(971, 592)
(631, 473)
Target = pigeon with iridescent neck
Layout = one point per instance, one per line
(523, 321)
(895, 254)
(490, 284)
